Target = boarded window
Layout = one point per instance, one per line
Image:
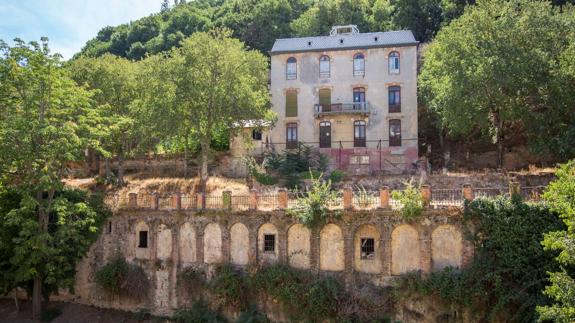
(359, 133)
(325, 134)
(394, 63)
(269, 243)
(291, 68)
(291, 136)
(358, 65)
(291, 104)
(394, 133)
(394, 99)
(359, 160)
(367, 248)
(143, 239)
(324, 66)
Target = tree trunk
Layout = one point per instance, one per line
(121, 170)
(186, 159)
(204, 167)
(37, 287)
(16, 300)
(107, 168)
(498, 123)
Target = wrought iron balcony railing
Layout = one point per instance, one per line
(341, 108)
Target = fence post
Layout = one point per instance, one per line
(426, 194)
(514, 188)
(227, 200)
(200, 201)
(155, 200)
(468, 192)
(283, 199)
(253, 200)
(384, 197)
(133, 200)
(177, 201)
(347, 198)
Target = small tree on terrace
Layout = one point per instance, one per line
(210, 83)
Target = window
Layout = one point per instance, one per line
(269, 242)
(394, 133)
(143, 239)
(291, 104)
(359, 160)
(394, 63)
(359, 133)
(325, 134)
(291, 69)
(256, 134)
(291, 135)
(324, 100)
(359, 98)
(358, 65)
(324, 68)
(394, 99)
(367, 248)
(109, 226)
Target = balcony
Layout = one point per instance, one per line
(341, 108)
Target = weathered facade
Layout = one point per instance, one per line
(352, 95)
(363, 246)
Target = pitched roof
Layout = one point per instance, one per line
(344, 41)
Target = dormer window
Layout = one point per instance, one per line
(343, 30)
(394, 63)
(291, 69)
(358, 64)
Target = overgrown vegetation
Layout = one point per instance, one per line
(410, 201)
(122, 278)
(198, 313)
(509, 271)
(312, 205)
(230, 287)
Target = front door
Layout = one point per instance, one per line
(325, 134)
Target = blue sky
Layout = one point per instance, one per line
(67, 23)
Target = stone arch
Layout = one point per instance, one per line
(141, 251)
(164, 243)
(369, 261)
(239, 244)
(405, 250)
(187, 243)
(331, 248)
(299, 239)
(268, 229)
(212, 243)
(446, 247)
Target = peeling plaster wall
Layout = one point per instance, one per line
(204, 239)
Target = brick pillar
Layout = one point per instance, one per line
(425, 250)
(155, 201)
(227, 200)
(514, 188)
(200, 201)
(177, 201)
(200, 242)
(426, 194)
(283, 199)
(314, 249)
(253, 200)
(468, 192)
(384, 197)
(347, 198)
(386, 230)
(468, 252)
(133, 200)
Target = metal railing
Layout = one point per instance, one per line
(446, 197)
(336, 108)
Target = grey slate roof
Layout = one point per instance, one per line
(350, 41)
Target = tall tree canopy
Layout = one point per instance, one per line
(46, 122)
(211, 82)
(499, 69)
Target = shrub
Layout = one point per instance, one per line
(230, 287)
(336, 176)
(312, 208)
(191, 279)
(122, 278)
(310, 174)
(252, 316)
(198, 313)
(410, 201)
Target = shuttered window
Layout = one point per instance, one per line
(394, 63)
(291, 69)
(324, 68)
(291, 104)
(358, 65)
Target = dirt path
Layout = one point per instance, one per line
(71, 313)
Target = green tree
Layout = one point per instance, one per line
(560, 195)
(210, 83)
(44, 125)
(493, 70)
(113, 80)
